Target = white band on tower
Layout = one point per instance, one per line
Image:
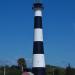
(39, 60)
(38, 12)
(38, 34)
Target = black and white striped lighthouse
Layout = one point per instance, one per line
(38, 49)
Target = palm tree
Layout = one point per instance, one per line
(21, 63)
(69, 70)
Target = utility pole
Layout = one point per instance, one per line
(4, 70)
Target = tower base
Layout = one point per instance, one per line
(39, 71)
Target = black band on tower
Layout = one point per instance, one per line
(39, 71)
(37, 6)
(37, 22)
(38, 47)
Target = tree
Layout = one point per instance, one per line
(56, 72)
(14, 67)
(22, 63)
(68, 70)
(48, 69)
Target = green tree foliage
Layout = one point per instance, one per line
(10, 70)
(73, 71)
(68, 70)
(22, 63)
(48, 72)
(14, 67)
(56, 71)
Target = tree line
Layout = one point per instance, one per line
(22, 66)
(54, 70)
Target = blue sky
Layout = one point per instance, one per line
(16, 31)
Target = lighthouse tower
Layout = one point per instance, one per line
(38, 49)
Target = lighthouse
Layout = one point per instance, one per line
(38, 66)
